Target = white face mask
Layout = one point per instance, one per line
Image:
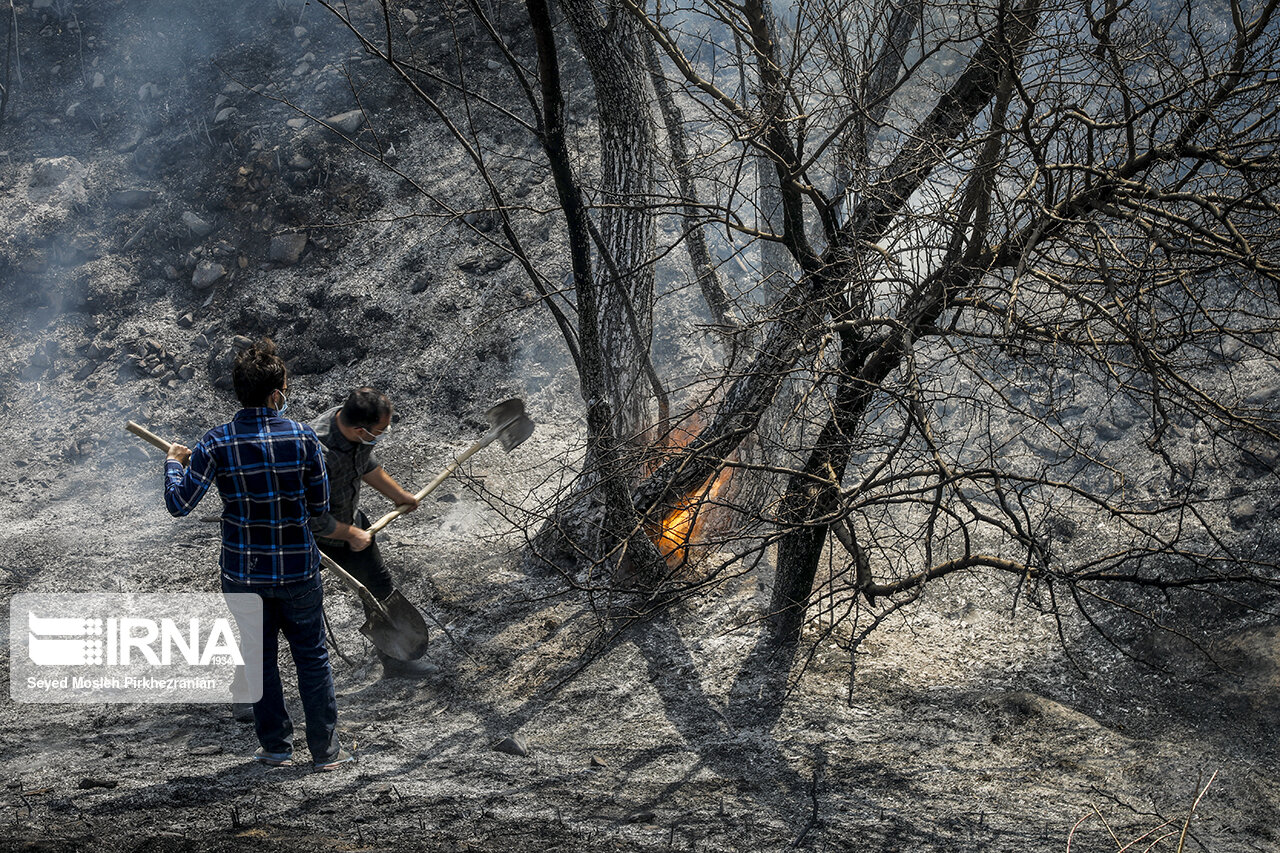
(372, 440)
(284, 403)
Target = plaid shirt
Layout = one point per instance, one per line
(271, 476)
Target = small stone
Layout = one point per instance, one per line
(98, 80)
(148, 92)
(88, 783)
(410, 16)
(241, 342)
(85, 371)
(1109, 430)
(597, 761)
(296, 123)
(220, 102)
(299, 32)
(196, 224)
(645, 816)
(200, 342)
(494, 65)
(348, 122)
(171, 272)
(207, 274)
(300, 163)
(186, 321)
(225, 114)
(208, 749)
(186, 372)
(303, 68)
(512, 746)
(287, 248)
(1242, 513)
(132, 199)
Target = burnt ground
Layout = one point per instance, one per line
(966, 725)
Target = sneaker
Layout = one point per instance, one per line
(242, 712)
(273, 759)
(343, 757)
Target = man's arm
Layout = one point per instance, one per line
(379, 479)
(183, 489)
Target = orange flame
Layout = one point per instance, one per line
(688, 521)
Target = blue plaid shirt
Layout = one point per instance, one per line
(270, 474)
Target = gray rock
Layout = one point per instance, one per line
(207, 274)
(1109, 430)
(597, 761)
(86, 370)
(1243, 513)
(299, 32)
(198, 226)
(287, 248)
(348, 122)
(512, 746)
(148, 92)
(225, 114)
(99, 80)
(133, 199)
(296, 123)
(300, 163)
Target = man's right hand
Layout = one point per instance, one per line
(359, 539)
(179, 453)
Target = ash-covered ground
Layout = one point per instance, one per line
(160, 211)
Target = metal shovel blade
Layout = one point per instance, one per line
(510, 422)
(402, 633)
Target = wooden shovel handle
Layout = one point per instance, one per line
(147, 435)
(443, 475)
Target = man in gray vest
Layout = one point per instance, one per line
(348, 434)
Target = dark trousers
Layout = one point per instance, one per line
(365, 566)
(295, 610)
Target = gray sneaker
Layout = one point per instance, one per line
(343, 757)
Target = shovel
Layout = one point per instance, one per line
(508, 424)
(394, 625)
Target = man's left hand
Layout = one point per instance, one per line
(407, 503)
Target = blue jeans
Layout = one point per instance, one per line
(294, 609)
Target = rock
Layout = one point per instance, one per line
(133, 199)
(296, 123)
(299, 32)
(348, 122)
(225, 114)
(494, 65)
(597, 761)
(148, 92)
(88, 783)
(1109, 430)
(410, 16)
(644, 816)
(481, 264)
(186, 372)
(512, 746)
(186, 321)
(300, 163)
(208, 749)
(1243, 513)
(86, 370)
(207, 274)
(287, 248)
(171, 272)
(240, 342)
(303, 68)
(98, 80)
(196, 224)
(200, 342)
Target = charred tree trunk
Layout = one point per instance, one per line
(624, 309)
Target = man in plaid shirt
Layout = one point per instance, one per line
(271, 477)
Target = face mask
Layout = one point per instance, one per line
(368, 441)
(284, 403)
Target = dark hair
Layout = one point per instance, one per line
(257, 372)
(365, 407)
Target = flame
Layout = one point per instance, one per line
(691, 516)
